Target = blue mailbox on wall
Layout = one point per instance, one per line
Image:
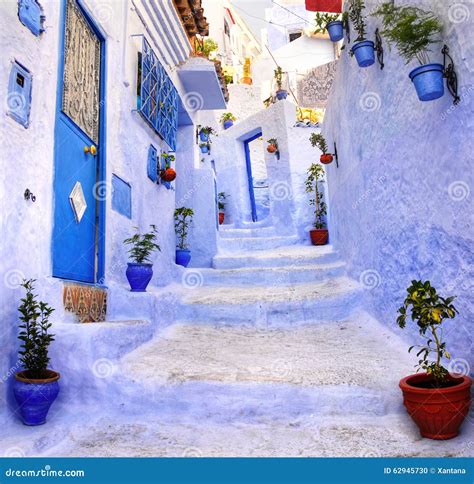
(19, 94)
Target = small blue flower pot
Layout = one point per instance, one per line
(203, 136)
(183, 256)
(139, 275)
(204, 149)
(364, 53)
(281, 94)
(35, 397)
(228, 124)
(428, 81)
(335, 30)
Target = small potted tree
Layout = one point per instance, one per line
(221, 201)
(363, 49)
(140, 271)
(167, 174)
(280, 93)
(436, 400)
(331, 24)
(227, 120)
(183, 217)
(319, 235)
(36, 386)
(318, 141)
(413, 30)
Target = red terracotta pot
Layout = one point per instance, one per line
(326, 158)
(221, 218)
(168, 175)
(438, 412)
(319, 236)
(334, 6)
(271, 148)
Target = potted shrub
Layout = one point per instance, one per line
(183, 217)
(413, 30)
(221, 201)
(140, 271)
(205, 132)
(318, 141)
(331, 24)
(36, 386)
(280, 93)
(167, 174)
(205, 147)
(227, 119)
(319, 235)
(272, 145)
(436, 400)
(363, 49)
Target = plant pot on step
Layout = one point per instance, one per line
(438, 412)
(183, 256)
(35, 396)
(326, 158)
(281, 94)
(364, 53)
(139, 275)
(429, 81)
(221, 218)
(228, 124)
(319, 236)
(335, 30)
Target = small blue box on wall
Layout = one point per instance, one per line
(19, 94)
(121, 196)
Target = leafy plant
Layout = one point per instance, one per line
(143, 245)
(221, 200)
(315, 177)
(228, 117)
(411, 29)
(34, 332)
(428, 310)
(272, 141)
(209, 45)
(322, 20)
(356, 9)
(168, 159)
(278, 74)
(208, 130)
(318, 141)
(183, 217)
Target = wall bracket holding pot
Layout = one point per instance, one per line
(347, 28)
(379, 48)
(335, 155)
(450, 74)
(28, 195)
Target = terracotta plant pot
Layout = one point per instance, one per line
(271, 148)
(326, 158)
(438, 412)
(319, 236)
(221, 218)
(168, 175)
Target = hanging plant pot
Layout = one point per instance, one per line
(326, 158)
(334, 6)
(204, 136)
(168, 175)
(221, 218)
(183, 256)
(271, 148)
(335, 30)
(228, 124)
(139, 276)
(429, 81)
(438, 412)
(204, 149)
(281, 94)
(319, 236)
(364, 53)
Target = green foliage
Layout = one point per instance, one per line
(411, 29)
(34, 332)
(428, 310)
(183, 217)
(228, 117)
(221, 200)
(278, 73)
(356, 9)
(315, 177)
(322, 20)
(208, 130)
(228, 79)
(168, 159)
(317, 140)
(209, 45)
(272, 141)
(142, 245)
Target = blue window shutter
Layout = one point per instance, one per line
(121, 196)
(152, 166)
(31, 15)
(19, 94)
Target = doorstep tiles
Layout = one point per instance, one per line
(87, 302)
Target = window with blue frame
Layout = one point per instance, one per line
(157, 98)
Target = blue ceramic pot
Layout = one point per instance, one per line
(228, 124)
(428, 81)
(139, 275)
(35, 397)
(364, 53)
(203, 136)
(281, 94)
(183, 256)
(204, 149)
(335, 30)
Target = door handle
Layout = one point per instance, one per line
(90, 149)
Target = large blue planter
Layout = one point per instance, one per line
(281, 94)
(35, 399)
(364, 53)
(228, 124)
(203, 136)
(183, 256)
(139, 275)
(204, 149)
(335, 30)
(428, 81)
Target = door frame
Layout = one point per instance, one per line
(101, 153)
(248, 162)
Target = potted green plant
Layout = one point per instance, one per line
(363, 49)
(204, 49)
(435, 399)
(319, 235)
(317, 140)
(205, 132)
(167, 174)
(227, 119)
(280, 93)
(330, 23)
(140, 271)
(183, 217)
(221, 202)
(36, 386)
(413, 30)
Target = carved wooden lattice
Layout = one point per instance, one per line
(81, 88)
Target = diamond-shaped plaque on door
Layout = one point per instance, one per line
(78, 201)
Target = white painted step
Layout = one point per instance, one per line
(255, 243)
(247, 232)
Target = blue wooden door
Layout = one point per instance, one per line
(78, 188)
(248, 161)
